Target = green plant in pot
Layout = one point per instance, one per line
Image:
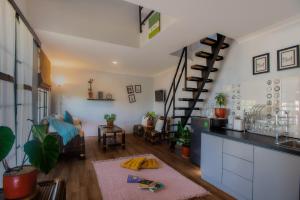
(41, 151)
(110, 118)
(184, 138)
(220, 112)
(151, 118)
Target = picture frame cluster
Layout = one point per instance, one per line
(131, 90)
(287, 58)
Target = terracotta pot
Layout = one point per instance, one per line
(110, 124)
(220, 112)
(150, 122)
(185, 151)
(20, 183)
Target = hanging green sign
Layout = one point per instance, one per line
(154, 25)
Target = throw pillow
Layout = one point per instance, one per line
(159, 125)
(68, 117)
(144, 121)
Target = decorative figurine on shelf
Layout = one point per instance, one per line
(91, 94)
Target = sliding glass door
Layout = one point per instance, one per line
(24, 71)
(7, 73)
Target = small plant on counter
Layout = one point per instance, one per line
(110, 118)
(42, 151)
(220, 112)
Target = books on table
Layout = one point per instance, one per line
(145, 184)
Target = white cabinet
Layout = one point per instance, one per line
(211, 158)
(249, 172)
(276, 175)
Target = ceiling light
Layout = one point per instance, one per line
(114, 62)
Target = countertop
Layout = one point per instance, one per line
(254, 139)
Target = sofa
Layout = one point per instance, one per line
(76, 147)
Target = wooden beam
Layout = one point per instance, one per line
(6, 77)
(20, 14)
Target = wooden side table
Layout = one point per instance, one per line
(54, 190)
(106, 133)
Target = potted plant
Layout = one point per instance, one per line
(41, 151)
(220, 101)
(110, 118)
(151, 118)
(184, 138)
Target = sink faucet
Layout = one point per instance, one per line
(277, 124)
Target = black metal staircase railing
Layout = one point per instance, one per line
(211, 58)
(170, 100)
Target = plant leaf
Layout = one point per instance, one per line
(43, 155)
(7, 139)
(39, 132)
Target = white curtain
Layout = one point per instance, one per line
(24, 78)
(7, 65)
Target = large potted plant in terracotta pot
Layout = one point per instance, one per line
(41, 151)
(184, 139)
(220, 112)
(110, 118)
(151, 118)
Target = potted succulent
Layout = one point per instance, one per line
(151, 118)
(220, 112)
(184, 138)
(41, 151)
(110, 118)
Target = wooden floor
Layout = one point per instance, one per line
(81, 179)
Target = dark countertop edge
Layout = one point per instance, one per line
(273, 146)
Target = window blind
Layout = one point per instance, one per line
(7, 66)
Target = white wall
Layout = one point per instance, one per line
(237, 69)
(74, 98)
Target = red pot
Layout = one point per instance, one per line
(185, 151)
(150, 122)
(220, 112)
(18, 184)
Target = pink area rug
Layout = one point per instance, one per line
(113, 184)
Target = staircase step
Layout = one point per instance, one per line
(204, 54)
(193, 89)
(188, 124)
(183, 116)
(184, 108)
(203, 68)
(194, 78)
(190, 99)
(212, 42)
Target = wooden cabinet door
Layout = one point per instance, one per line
(211, 158)
(276, 175)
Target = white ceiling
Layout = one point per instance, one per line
(90, 34)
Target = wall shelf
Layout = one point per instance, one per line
(101, 99)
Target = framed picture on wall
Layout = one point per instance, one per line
(138, 89)
(261, 64)
(131, 98)
(288, 58)
(130, 89)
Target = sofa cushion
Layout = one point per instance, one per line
(144, 121)
(68, 117)
(159, 125)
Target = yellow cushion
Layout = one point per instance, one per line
(134, 163)
(150, 164)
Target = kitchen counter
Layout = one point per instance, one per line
(254, 139)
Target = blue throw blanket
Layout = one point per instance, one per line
(65, 130)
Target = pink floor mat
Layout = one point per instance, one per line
(113, 184)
